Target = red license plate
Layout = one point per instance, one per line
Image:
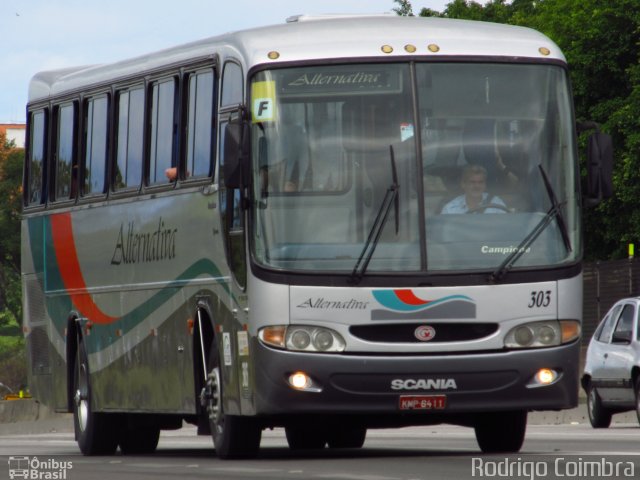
(423, 402)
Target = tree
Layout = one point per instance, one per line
(404, 8)
(11, 161)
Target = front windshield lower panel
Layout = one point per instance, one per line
(468, 157)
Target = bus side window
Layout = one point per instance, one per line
(66, 171)
(232, 85)
(130, 136)
(34, 181)
(200, 124)
(163, 128)
(95, 151)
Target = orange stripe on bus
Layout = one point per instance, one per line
(69, 267)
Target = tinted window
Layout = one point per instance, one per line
(162, 131)
(232, 85)
(64, 153)
(130, 139)
(95, 145)
(608, 323)
(625, 324)
(200, 124)
(36, 159)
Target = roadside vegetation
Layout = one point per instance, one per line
(13, 372)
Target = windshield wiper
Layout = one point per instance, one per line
(555, 212)
(390, 197)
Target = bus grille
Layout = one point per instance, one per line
(406, 332)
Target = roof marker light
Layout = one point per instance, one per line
(410, 48)
(433, 48)
(544, 51)
(386, 48)
(273, 55)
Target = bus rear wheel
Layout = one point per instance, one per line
(96, 433)
(501, 432)
(233, 436)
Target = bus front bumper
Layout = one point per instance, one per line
(376, 384)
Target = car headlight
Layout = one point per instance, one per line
(548, 333)
(302, 338)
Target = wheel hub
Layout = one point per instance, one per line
(210, 395)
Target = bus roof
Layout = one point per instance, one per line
(318, 38)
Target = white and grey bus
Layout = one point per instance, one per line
(247, 232)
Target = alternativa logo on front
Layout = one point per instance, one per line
(424, 333)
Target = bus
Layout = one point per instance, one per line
(247, 232)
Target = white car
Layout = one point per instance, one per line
(611, 376)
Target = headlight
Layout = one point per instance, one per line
(542, 334)
(301, 338)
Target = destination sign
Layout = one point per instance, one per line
(340, 81)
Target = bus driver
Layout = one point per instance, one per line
(475, 199)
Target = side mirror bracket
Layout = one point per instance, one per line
(599, 164)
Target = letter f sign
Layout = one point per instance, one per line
(263, 109)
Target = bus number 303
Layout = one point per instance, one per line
(540, 298)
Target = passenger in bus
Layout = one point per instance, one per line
(475, 198)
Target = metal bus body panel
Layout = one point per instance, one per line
(487, 376)
(340, 308)
(133, 272)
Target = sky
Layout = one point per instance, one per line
(42, 35)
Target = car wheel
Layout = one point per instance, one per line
(599, 416)
(637, 388)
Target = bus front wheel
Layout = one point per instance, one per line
(501, 432)
(96, 433)
(233, 436)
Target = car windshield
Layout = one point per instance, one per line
(470, 143)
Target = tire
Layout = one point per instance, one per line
(599, 416)
(347, 438)
(233, 436)
(142, 440)
(501, 432)
(300, 438)
(96, 433)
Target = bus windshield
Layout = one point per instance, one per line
(480, 155)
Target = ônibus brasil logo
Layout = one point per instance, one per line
(37, 469)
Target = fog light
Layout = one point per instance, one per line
(300, 380)
(544, 377)
(303, 382)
